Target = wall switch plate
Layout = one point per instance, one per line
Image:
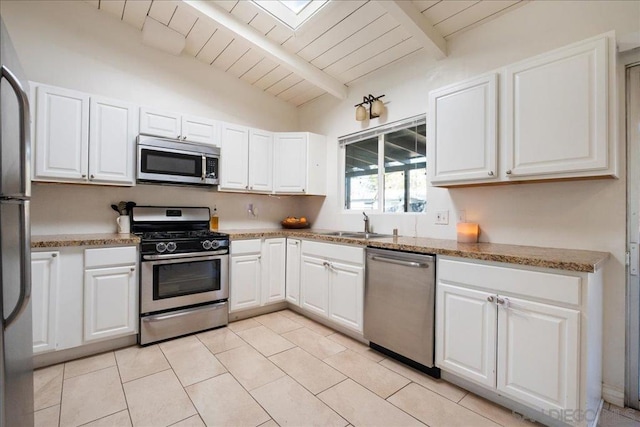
(462, 215)
(442, 217)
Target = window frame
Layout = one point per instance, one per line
(370, 133)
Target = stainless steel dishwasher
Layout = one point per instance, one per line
(399, 306)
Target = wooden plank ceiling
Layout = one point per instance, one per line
(346, 39)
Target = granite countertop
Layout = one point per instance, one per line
(534, 256)
(97, 239)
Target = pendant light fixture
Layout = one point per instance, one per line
(376, 107)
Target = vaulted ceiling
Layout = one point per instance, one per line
(344, 42)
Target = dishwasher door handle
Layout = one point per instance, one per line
(400, 262)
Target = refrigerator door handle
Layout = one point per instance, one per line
(25, 266)
(25, 140)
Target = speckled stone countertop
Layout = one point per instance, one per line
(534, 256)
(98, 239)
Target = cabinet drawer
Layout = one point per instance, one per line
(555, 287)
(246, 246)
(344, 253)
(104, 257)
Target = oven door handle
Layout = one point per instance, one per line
(203, 255)
(185, 312)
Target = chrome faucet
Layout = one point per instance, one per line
(366, 223)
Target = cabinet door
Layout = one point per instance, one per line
(462, 130)
(200, 129)
(556, 108)
(234, 157)
(62, 134)
(110, 303)
(466, 333)
(538, 353)
(346, 294)
(290, 170)
(314, 285)
(260, 160)
(44, 298)
(245, 282)
(160, 123)
(273, 270)
(112, 141)
(293, 271)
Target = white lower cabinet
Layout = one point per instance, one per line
(109, 302)
(292, 272)
(257, 273)
(81, 295)
(466, 333)
(44, 299)
(332, 282)
(531, 335)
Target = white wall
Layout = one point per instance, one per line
(71, 44)
(578, 214)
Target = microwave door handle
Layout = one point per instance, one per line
(204, 167)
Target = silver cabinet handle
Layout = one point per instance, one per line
(92, 176)
(53, 255)
(184, 137)
(84, 175)
(25, 137)
(508, 172)
(490, 298)
(325, 263)
(503, 302)
(133, 269)
(490, 173)
(179, 136)
(246, 187)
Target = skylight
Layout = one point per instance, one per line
(295, 6)
(292, 13)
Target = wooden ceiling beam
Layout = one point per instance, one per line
(295, 64)
(416, 24)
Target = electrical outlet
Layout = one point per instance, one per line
(442, 217)
(462, 215)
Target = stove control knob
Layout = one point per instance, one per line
(161, 247)
(215, 244)
(206, 244)
(171, 246)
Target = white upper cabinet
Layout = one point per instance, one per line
(62, 134)
(200, 129)
(177, 126)
(160, 123)
(463, 132)
(234, 157)
(556, 113)
(83, 138)
(300, 163)
(553, 120)
(260, 160)
(247, 159)
(112, 141)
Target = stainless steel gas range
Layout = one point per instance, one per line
(184, 272)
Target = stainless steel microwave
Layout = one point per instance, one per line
(169, 161)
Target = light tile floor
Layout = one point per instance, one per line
(277, 369)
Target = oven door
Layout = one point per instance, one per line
(170, 165)
(171, 281)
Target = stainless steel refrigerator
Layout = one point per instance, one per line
(16, 344)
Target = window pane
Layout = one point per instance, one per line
(361, 175)
(405, 181)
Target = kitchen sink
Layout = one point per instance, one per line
(354, 234)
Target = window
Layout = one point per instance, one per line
(385, 169)
(292, 13)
